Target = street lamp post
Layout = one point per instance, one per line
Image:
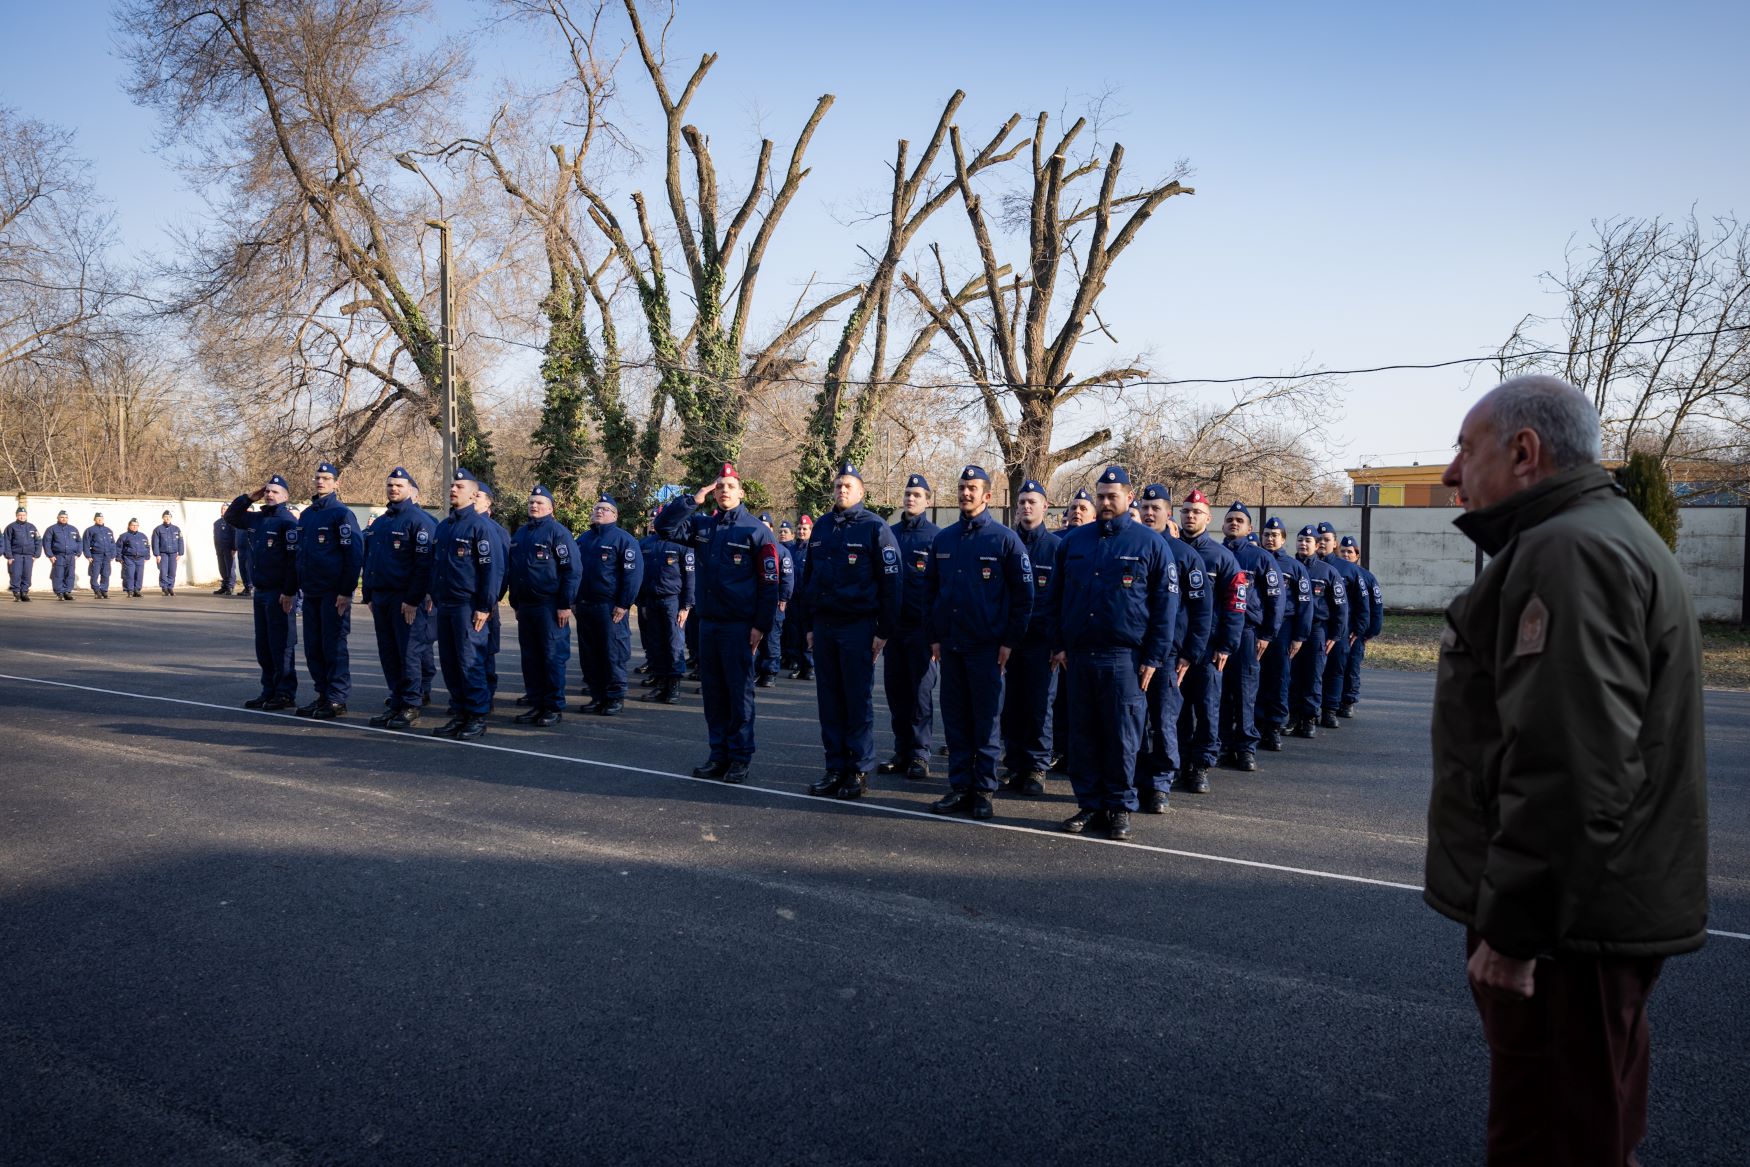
(447, 321)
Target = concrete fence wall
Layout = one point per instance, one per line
(1421, 559)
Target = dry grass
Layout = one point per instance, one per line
(1411, 643)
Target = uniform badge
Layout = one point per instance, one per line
(484, 547)
(921, 561)
(462, 549)
(1127, 579)
(423, 536)
(607, 554)
(395, 543)
(540, 553)
(1196, 579)
(669, 558)
(735, 558)
(321, 536)
(1533, 628)
(270, 540)
(851, 557)
(561, 551)
(985, 571)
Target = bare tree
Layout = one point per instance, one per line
(290, 114)
(1020, 362)
(1657, 330)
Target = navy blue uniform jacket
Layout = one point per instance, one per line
(981, 585)
(328, 548)
(544, 566)
(398, 554)
(852, 573)
(466, 569)
(1113, 578)
(735, 557)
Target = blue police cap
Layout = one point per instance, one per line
(919, 481)
(1117, 474)
(1239, 508)
(485, 488)
(974, 474)
(1031, 486)
(1251, 537)
(1082, 495)
(1155, 492)
(1349, 541)
(401, 473)
(784, 526)
(608, 500)
(463, 474)
(276, 480)
(327, 468)
(541, 492)
(1133, 505)
(1309, 532)
(766, 518)
(1273, 524)
(63, 514)
(847, 469)
(1326, 529)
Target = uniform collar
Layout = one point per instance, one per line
(911, 522)
(732, 516)
(976, 521)
(1492, 528)
(1114, 525)
(332, 498)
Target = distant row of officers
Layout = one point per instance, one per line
(1132, 650)
(64, 545)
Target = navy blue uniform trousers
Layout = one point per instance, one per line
(97, 573)
(726, 674)
(845, 689)
(1107, 711)
(1271, 707)
(462, 652)
(1239, 696)
(1336, 668)
(770, 657)
(1157, 760)
(658, 627)
(18, 572)
(134, 574)
(909, 677)
(545, 649)
(1030, 689)
(61, 574)
(604, 649)
(227, 565)
(276, 638)
(1352, 672)
(972, 694)
(325, 648)
(1307, 673)
(167, 571)
(402, 650)
(1200, 718)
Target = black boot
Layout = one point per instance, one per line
(855, 785)
(828, 785)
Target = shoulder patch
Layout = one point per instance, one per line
(1533, 628)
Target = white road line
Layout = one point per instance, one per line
(880, 808)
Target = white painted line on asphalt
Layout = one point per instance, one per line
(857, 805)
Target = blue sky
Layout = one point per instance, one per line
(1376, 183)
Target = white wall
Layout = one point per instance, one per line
(1710, 549)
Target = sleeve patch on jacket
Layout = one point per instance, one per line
(1533, 628)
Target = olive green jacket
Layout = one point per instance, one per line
(1569, 807)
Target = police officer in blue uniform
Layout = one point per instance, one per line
(1200, 719)
(1157, 761)
(500, 536)
(467, 577)
(1113, 632)
(981, 584)
(543, 586)
(397, 568)
(1349, 548)
(134, 549)
(22, 545)
(1330, 613)
(1079, 511)
(97, 544)
(791, 639)
(273, 530)
(908, 668)
(225, 547)
(737, 561)
(848, 605)
(1289, 637)
(327, 552)
(1354, 600)
(167, 545)
(1030, 683)
(803, 669)
(770, 658)
(1239, 681)
(665, 602)
(612, 570)
(61, 549)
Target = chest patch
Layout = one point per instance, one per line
(1533, 628)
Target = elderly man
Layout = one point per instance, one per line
(1567, 825)
(611, 569)
(847, 605)
(397, 567)
(272, 529)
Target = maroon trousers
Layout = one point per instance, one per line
(1568, 1068)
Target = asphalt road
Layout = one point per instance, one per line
(234, 937)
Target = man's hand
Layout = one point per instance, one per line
(680, 617)
(428, 604)
(703, 493)
(1352, 638)
(480, 619)
(258, 494)
(935, 650)
(1263, 647)
(782, 604)
(1220, 661)
(1504, 976)
(808, 639)
(408, 612)
(1059, 660)
(287, 603)
(1293, 647)
(754, 636)
(1329, 645)
(342, 603)
(1003, 652)
(875, 647)
(1144, 675)
(618, 614)
(1184, 667)
(562, 616)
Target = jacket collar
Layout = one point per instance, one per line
(1114, 525)
(331, 499)
(1492, 528)
(911, 522)
(976, 522)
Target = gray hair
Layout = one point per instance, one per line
(1561, 416)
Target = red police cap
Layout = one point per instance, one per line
(1197, 496)
(729, 471)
